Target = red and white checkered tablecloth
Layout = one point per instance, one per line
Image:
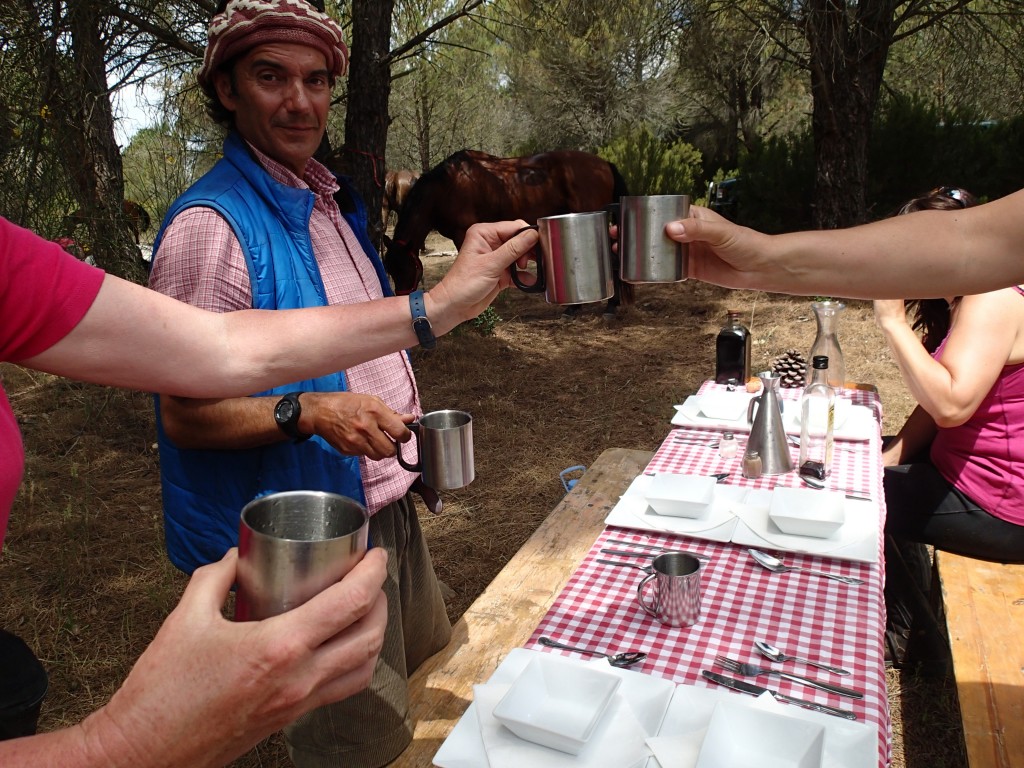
(803, 614)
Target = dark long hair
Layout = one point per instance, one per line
(932, 316)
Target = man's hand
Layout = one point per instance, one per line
(355, 423)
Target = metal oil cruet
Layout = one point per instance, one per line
(767, 434)
(826, 313)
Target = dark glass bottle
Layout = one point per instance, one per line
(732, 351)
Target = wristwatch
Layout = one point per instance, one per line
(420, 322)
(286, 414)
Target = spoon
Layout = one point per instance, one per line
(624, 659)
(777, 566)
(772, 653)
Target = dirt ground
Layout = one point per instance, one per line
(85, 579)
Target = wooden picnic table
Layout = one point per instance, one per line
(505, 615)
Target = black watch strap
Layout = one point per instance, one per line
(286, 414)
(420, 322)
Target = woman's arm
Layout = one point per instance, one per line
(982, 338)
(134, 337)
(921, 255)
(911, 443)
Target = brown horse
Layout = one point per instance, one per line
(471, 187)
(396, 188)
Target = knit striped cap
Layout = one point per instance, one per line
(244, 24)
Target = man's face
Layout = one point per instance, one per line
(280, 98)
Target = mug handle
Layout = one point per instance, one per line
(750, 408)
(418, 466)
(640, 594)
(537, 287)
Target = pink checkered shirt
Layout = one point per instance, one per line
(201, 262)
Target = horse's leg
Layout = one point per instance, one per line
(572, 311)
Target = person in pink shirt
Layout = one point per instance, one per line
(954, 476)
(207, 689)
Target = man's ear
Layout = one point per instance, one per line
(225, 88)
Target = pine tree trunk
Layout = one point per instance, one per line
(367, 117)
(848, 51)
(95, 159)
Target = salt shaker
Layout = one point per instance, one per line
(752, 465)
(727, 446)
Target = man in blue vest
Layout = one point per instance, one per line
(262, 229)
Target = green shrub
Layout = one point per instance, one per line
(651, 166)
(487, 321)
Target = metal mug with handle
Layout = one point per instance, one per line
(574, 261)
(445, 440)
(676, 600)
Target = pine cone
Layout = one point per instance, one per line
(790, 367)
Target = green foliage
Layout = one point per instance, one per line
(777, 184)
(915, 147)
(486, 321)
(654, 167)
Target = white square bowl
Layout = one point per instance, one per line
(806, 512)
(557, 703)
(724, 406)
(748, 736)
(681, 495)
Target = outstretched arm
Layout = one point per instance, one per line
(921, 255)
(138, 338)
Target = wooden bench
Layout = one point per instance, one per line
(984, 607)
(511, 607)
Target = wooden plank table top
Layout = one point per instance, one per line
(984, 605)
(505, 615)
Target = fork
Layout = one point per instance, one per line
(752, 670)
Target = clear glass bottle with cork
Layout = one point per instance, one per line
(732, 351)
(817, 421)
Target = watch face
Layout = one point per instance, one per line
(285, 411)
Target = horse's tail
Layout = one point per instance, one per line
(625, 291)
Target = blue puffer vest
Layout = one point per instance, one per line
(204, 490)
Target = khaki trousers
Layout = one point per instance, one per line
(372, 728)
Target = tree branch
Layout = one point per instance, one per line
(423, 36)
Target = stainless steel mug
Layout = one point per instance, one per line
(676, 599)
(575, 259)
(293, 545)
(647, 254)
(445, 459)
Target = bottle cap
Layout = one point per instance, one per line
(819, 362)
(728, 435)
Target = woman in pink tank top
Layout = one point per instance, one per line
(954, 474)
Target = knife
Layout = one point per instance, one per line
(623, 553)
(757, 690)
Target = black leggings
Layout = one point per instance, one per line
(923, 507)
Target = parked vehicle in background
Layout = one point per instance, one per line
(723, 197)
